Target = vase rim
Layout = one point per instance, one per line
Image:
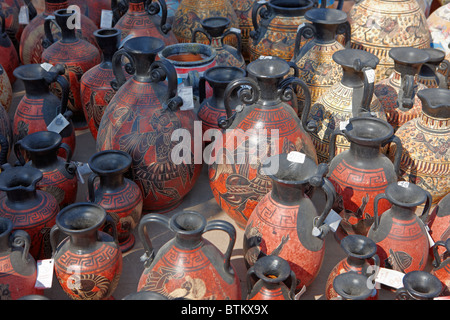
(359, 246)
(368, 131)
(409, 55)
(107, 32)
(18, 179)
(348, 58)
(216, 22)
(207, 51)
(187, 223)
(144, 45)
(436, 55)
(41, 141)
(343, 285)
(291, 7)
(272, 269)
(289, 172)
(226, 74)
(326, 16)
(422, 284)
(80, 218)
(405, 194)
(110, 162)
(271, 68)
(30, 72)
(435, 102)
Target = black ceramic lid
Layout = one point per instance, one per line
(347, 58)
(326, 16)
(435, 102)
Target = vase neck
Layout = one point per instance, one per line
(4, 242)
(111, 182)
(46, 159)
(365, 152)
(325, 33)
(355, 262)
(83, 240)
(269, 89)
(36, 88)
(352, 78)
(136, 6)
(21, 196)
(403, 213)
(287, 194)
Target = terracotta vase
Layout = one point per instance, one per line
(439, 221)
(441, 267)
(77, 56)
(203, 271)
(351, 97)
(141, 20)
(140, 120)
(6, 136)
(400, 234)
(95, 84)
(361, 173)
(33, 36)
(88, 262)
(29, 209)
(398, 93)
(118, 195)
(352, 286)
(190, 13)
(380, 25)
(59, 175)
(286, 222)
(315, 58)
(438, 23)
(425, 140)
(214, 28)
(264, 125)
(419, 285)
(361, 258)
(272, 273)
(243, 9)
(19, 273)
(6, 91)
(9, 58)
(38, 108)
(434, 73)
(213, 108)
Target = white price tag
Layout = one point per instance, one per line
(333, 219)
(44, 274)
(262, 1)
(390, 278)
(430, 239)
(106, 19)
(24, 17)
(186, 93)
(236, 30)
(58, 124)
(300, 293)
(370, 75)
(343, 124)
(265, 57)
(82, 169)
(295, 156)
(300, 26)
(403, 184)
(46, 66)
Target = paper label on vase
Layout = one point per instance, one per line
(370, 74)
(46, 66)
(297, 157)
(106, 19)
(403, 184)
(300, 293)
(343, 124)
(186, 93)
(300, 26)
(430, 239)
(44, 274)
(24, 17)
(390, 278)
(265, 57)
(58, 124)
(236, 30)
(333, 220)
(82, 169)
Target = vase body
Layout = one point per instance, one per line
(315, 58)
(9, 58)
(214, 28)
(441, 266)
(59, 175)
(141, 20)
(272, 273)
(6, 91)
(350, 97)
(361, 258)
(140, 120)
(439, 222)
(426, 158)
(190, 13)
(39, 107)
(88, 262)
(379, 25)
(30, 210)
(285, 221)
(398, 92)
(267, 125)
(77, 55)
(6, 136)
(362, 172)
(275, 32)
(92, 9)
(119, 196)
(213, 108)
(243, 9)
(205, 273)
(33, 35)
(95, 84)
(419, 285)
(400, 235)
(19, 273)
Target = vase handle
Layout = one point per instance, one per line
(91, 189)
(48, 39)
(231, 231)
(443, 77)
(376, 217)
(54, 234)
(119, 8)
(145, 239)
(258, 30)
(436, 255)
(307, 32)
(332, 145)
(154, 8)
(32, 12)
(57, 74)
(200, 30)
(161, 70)
(4, 144)
(345, 29)
(201, 89)
(406, 94)
(238, 38)
(426, 210)
(398, 152)
(21, 239)
(248, 93)
(119, 75)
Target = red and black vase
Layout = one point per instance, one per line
(118, 195)
(95, 84)
(400, 235)
(18, 267)
(439, 221)
(9, 58)
(141, 120)
(353, 286)
(189, 266)
(274, 276)
(38, 108)
(88, 262)
(77, 56)
(40, 150)
(29, 209)
(419, 285)
(441, 267)
(6, 136)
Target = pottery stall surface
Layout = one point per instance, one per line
(204, 272)
(141, 19)
(398, 92)
(88, 262)
(31, 41)
(266, 125)
(286, 222)
(77, 56)
(9, 59)
(141, 119)
(6, 91)
(434, 73)
(361, 173)
(441, 266)
(425, 159)
(315, 58)
(380, 25)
